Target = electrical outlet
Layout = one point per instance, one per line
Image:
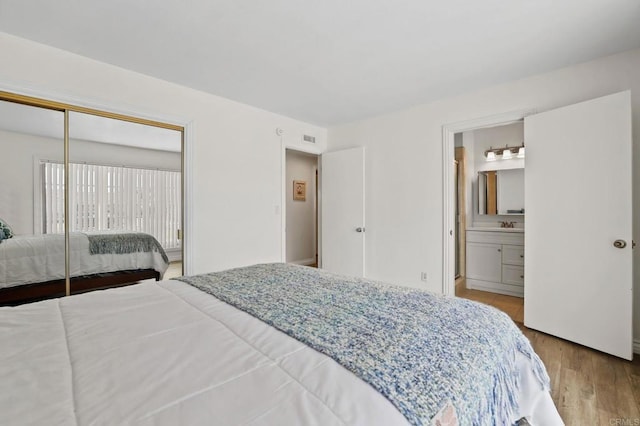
(423, 276)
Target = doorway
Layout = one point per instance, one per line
(301, 208)
(592, 266)
(448, 139)
(488, 216)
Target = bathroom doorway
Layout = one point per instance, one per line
(488, 222)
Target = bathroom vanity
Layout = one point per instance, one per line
(495, 260)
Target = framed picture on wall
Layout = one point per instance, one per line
(299, 190)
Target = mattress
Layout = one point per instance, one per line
(30, 259)
(167, 353)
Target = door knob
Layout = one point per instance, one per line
(620, 244)
(360, 229)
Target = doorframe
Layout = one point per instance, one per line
(283, 199)
(460, 160)
(448, 190)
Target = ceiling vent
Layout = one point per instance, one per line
(308, 138)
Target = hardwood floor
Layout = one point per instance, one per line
(587, 386)
(174, 271)
(512, 306)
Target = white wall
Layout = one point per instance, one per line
(16, 176)
(404, 162)
(301, 215)
(17, 173)
(237, 155)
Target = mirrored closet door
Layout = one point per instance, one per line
(88, 199)
(125, 201)
(32, 241)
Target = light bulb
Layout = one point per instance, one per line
(491, 156)
(506, 154)
(521, 152)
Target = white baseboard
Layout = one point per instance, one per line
(305, 262)
(636, 346)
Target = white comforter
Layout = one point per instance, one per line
(169, 354)
(38, 258)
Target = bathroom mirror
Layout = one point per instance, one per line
(501, 192)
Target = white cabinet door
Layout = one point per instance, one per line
(484, 262)
(578, 198)
(513, 255)
(513, 274)
(343, 230)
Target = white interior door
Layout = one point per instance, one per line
(578, 284)
(342, 215)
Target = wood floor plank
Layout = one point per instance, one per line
(551, 355)
(509, 309)
(635, 388)
(503, 298)
(577, 401)
(613, 386)
(633, 367)
(605, 418)
(519, 317)
(478, 296)
(576, 358)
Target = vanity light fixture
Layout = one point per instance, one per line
(506, 153)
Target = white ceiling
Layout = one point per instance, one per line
(331, 61)
(49, 123)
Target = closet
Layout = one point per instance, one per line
(81, 190)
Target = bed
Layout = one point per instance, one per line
(33, 266)
(172, 353)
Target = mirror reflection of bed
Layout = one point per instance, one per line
(125, 202)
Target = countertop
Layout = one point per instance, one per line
(494, 229)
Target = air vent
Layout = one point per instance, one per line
(308, 138)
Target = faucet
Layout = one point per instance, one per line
(505, 224)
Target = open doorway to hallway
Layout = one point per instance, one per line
(301, 208)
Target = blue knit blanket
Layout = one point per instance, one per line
(420, 350)
(124, 243)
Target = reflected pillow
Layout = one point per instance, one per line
(5, 230)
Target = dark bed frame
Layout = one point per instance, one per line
(26, 293)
